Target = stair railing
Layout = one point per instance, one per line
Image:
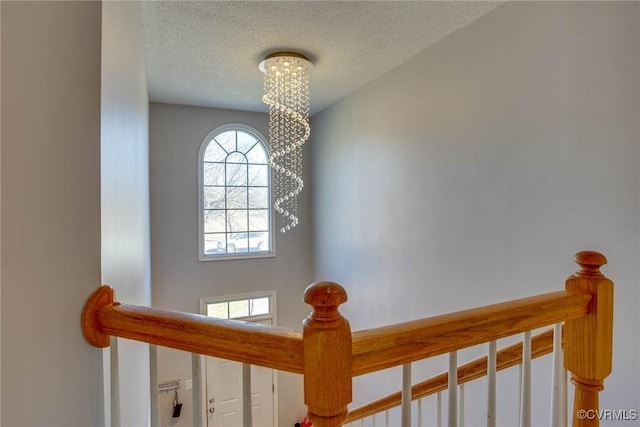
(507, 357)
(329, 355)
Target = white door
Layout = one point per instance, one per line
(262, 396)
(225, 378)
(224, 393)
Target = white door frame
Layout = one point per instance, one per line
(204, 302)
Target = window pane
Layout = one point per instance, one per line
(227, 140)
(258, 241)
(237, 220)
(219, 310)
(245, 141)
(214, 197)
(236, 158)
(214, 153)
(238, 309)
(236, 197)
(214, 221)
(214, 174)
(258, 175)
(258, 197)
(236, 174)
(238, 242)
(214, 243)
(258, 306)
(257, 154)
(259, 219)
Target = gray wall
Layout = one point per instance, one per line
(125, 195)
(473, 172)
(50, 211)
(51, 189)
(0, 216)
(179, 280)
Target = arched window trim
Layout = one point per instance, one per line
(201, 244)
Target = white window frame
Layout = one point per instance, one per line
(204, 303)
(242, 255)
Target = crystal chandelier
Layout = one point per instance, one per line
(286, 91)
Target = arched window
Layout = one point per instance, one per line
(235, 194)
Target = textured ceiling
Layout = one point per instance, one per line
(207, 53)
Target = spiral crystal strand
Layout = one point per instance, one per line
(286, 91)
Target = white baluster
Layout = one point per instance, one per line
(461, 407)
(565, 399)
(115, 383)
(439, 403)
(419, 412)
(405, 400)
(386, 418)
(453, 389)
(491, 384)
(525, 383)
(246, 396)
(559, 381)
(154, 404)
(196, 393)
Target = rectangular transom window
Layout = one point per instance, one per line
(249, 307)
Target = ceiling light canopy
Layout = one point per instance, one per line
(286, 91)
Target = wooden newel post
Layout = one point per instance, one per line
(327, 356)
(588, 340)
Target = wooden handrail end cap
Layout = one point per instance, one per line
(100, 298)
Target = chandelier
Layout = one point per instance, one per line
(286, 91)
